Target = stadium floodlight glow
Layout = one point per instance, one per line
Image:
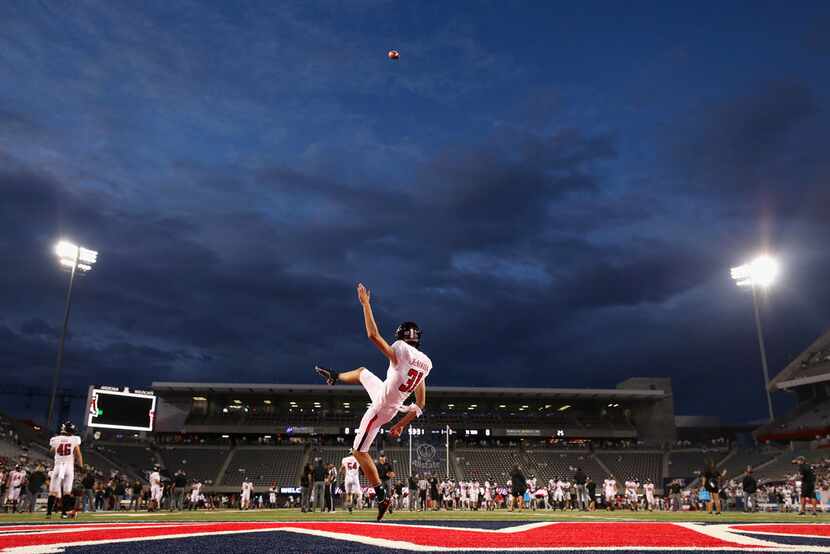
(200, 398)
(563, 408)
(266, 402)
(73, 256)
(502, 406)
(760, 272)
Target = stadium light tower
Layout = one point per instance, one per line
(760, 272)
(74, 258)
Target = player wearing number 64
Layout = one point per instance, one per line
(408, 369)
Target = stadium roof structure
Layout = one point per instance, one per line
(477, 392)
(809, 367)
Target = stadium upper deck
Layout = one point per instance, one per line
(637, 408)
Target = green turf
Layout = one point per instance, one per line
(367, 515)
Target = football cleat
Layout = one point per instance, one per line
(329, 375)
(382, 507)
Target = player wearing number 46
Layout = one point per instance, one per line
(67, 450)
(408, 369)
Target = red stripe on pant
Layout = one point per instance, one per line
(366, 432)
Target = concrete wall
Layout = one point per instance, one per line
(654, 419)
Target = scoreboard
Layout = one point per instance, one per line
(121, 408)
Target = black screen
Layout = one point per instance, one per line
(122, 411)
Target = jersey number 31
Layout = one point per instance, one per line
(413, 381)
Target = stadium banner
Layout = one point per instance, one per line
(523, 432)
(429, 453)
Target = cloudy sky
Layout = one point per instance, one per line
(554, 192)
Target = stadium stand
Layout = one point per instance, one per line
(198, 462)
(102, 463)
(265, 466)
(782, 466)
(639, 465)
(135, 458)
(550, 464)
(487, 463)
(13, 454)
(740, 459)
(686, 463)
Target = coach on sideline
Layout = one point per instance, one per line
(319, 474)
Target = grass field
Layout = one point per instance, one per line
(369, 515)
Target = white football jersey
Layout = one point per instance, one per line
(649, 488)
(155, 479)
(351, 467)
(197, 487)
(64, 446)
(404, 377)
(16, 478)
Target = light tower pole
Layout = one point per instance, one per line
(761, 272)
(74, 258)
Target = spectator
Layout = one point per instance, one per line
(179, 486)
(88, 483)
(319, 474)
(119, 493)
(386, 474)
(305, 487)
(591, 490)
(413, 493)
(518, 484)
(423, 487)
(331, 483)
(135, 497)
(579, 481)
(34, 485)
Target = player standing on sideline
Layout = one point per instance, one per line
(649, 490)
(351, 480)
(156, 490)
(16, 478)
(195, 491)
(408, 369)
(610, 486)
(67, 449)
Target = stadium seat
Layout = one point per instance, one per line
(265, 466)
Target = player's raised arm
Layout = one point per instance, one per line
(363, 295)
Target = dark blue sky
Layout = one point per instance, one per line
(555, 192)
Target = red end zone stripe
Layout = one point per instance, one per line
(594, 534)
(69, 534)
(561, 535)
(815, 530)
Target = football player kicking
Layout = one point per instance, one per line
(408, 369)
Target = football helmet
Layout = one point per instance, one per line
(409, 332)
(67, 428)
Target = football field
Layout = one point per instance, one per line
(456, 531)
(454, 515)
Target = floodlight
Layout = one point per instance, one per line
(72, 256)
(762, 272)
